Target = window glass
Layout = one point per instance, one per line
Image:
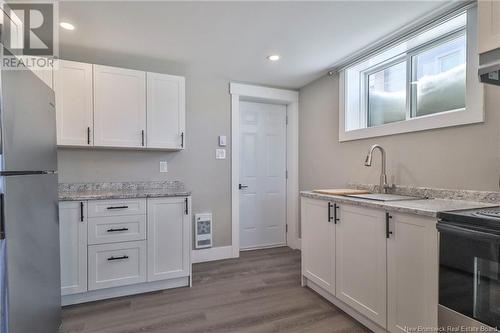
(387, 95)
(438, 83)
(419, 76)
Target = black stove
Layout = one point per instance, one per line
(481, 217)
(469, 263)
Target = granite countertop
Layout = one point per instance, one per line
(424, 207)
(125, 190)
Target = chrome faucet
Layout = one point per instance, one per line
(383, 176)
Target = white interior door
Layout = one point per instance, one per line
(262, 175)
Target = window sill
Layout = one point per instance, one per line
(440, 120)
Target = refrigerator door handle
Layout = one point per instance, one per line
(2, 218)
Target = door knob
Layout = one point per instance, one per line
(242, 186)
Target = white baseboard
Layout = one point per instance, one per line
(138, 288)
(211, 254)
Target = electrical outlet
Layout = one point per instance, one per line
(163, 166)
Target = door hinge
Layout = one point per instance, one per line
(286, 174)
(286, 121)
(286, 227)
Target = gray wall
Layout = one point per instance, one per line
(464, 157)
(207, 116)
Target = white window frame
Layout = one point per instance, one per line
(473, 112)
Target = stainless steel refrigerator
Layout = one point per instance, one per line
(30, 271)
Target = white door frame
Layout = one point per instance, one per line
(290, 98)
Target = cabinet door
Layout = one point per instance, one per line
(73, 89)
(165, 111)
(318, 243)
(412, 254)
(169, 238)
(361, 261)
(119, 107)
(73, 246)
(489, 25)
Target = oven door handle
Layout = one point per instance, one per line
(468, 233)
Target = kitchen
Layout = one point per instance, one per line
(208, 169)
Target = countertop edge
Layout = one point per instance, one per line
(391, 206)
(80, 197)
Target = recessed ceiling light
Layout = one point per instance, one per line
(274, 57)
(67, 26)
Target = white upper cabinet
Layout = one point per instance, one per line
(73, 90)
(165, 111)
(73, 245)
(412, 279)
(318, 243)
(169, 238)
(489, 25)
(361, 261)
(119, 107)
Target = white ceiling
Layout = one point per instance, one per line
(232, 39)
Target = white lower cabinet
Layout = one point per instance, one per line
(73, 246)
(318, 243)
(169, 238)
(361, 261)
(412, 279)
(124, 247)
(383, 265)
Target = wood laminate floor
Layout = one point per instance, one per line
(256, 293)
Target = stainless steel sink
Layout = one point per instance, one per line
(383, 197)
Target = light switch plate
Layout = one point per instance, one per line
(222, 141)
(220, 154)
(163, 166)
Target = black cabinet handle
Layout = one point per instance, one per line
(329, 212)
(115, 230)
(88, 135)
(142, 138)
(117, 258)
(117, 207)
(81, 211)
(335, 213)
(2, 220)
(182, 140)
(242, 186)
(186, 210)
(388, 232)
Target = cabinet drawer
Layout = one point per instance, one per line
(98, 208)
(113, 229)
(118, 264)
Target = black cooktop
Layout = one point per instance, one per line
(481, 216)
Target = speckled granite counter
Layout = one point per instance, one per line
(426, 207)
(123, 190)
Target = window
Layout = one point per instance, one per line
(418, 83)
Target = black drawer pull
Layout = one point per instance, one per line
(117, 207)
(120, 229)
(117, 258)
